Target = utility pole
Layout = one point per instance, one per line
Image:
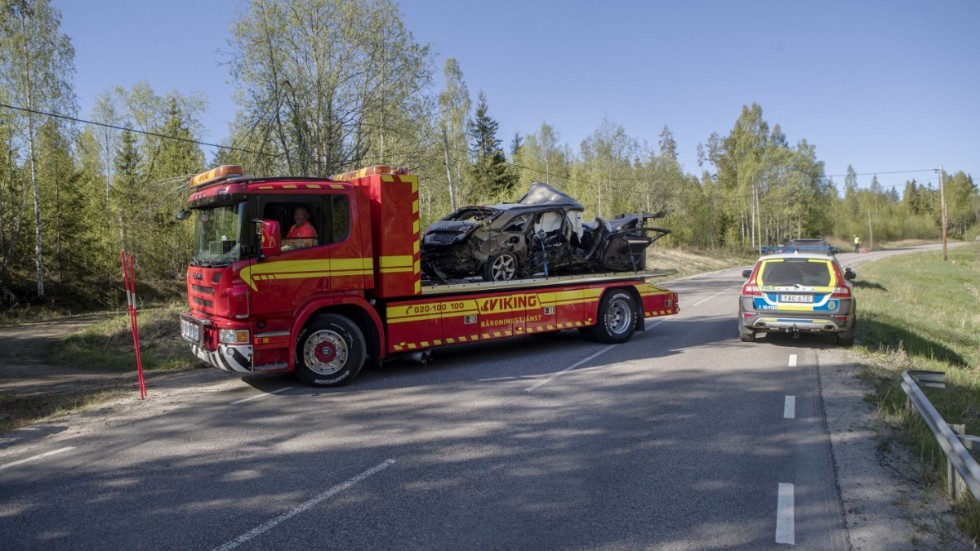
(942, 208)
(871, 236)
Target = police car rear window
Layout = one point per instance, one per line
(793, 272)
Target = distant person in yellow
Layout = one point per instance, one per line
(857, 244)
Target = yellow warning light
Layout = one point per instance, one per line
(367, 171)
(216, 174)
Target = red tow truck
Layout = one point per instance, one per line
(263, 302)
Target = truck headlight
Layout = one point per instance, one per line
(190, 331)
(233, 336)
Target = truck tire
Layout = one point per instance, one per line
(501, 267)
(745, 334)
(330, 351)
(616, 317)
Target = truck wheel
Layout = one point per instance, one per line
(500, 267)
(617, 317)
(330, 351)
(745, 334)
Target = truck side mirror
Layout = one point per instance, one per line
(269, 237)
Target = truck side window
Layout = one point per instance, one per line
(340, 218)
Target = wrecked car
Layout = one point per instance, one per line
(542, 234)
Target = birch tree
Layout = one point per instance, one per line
(36, 64)
(326, 85)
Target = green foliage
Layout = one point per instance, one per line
(326, 85)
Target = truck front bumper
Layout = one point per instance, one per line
(236, 358)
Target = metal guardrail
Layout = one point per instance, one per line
(962, 469)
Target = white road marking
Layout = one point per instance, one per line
(785, 517)
(656, 323)
(251, 534)
(792, 360)
(789, 408)
(36, 457)
(260, 396)
(543, 382)
(716, 294)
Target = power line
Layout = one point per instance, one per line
(888, 172)
(145, 132)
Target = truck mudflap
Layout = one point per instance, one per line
(236, 358)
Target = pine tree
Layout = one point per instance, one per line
(490, 169)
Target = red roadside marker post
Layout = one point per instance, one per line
(129, 276)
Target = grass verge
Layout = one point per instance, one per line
(108, 345)
(917, 312)
(690, 262)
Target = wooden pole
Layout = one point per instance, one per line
(942, 207)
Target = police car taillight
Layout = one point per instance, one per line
(750, 289)
(843, 290)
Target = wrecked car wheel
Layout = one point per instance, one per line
(616, 317)
(501, 267)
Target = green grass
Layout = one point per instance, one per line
(916, 312)
(689, 262)
(108, 346)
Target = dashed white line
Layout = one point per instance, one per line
(792, 360)
(251, 534)
(785, 515)
(260, 396)
(716, 294)
(36, 457)
(569, 368)
(789, 408)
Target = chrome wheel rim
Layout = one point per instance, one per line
(325, 352)
(619, 317)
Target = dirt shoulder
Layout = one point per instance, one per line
(25, 365)
(34, 386)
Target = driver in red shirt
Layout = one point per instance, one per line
(302, 229)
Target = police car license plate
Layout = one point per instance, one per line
(795, 298)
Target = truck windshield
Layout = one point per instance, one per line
(217, 235)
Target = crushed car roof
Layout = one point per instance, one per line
(541, 193)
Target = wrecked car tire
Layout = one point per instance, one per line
(501, 267)
(616, 318)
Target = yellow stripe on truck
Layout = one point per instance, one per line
(300, 269)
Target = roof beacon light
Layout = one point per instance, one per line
(367, 171)
(214, 175)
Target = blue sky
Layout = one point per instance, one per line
(888, 87)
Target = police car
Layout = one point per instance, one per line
(798, 291)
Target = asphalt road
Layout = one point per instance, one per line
(683, 438)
